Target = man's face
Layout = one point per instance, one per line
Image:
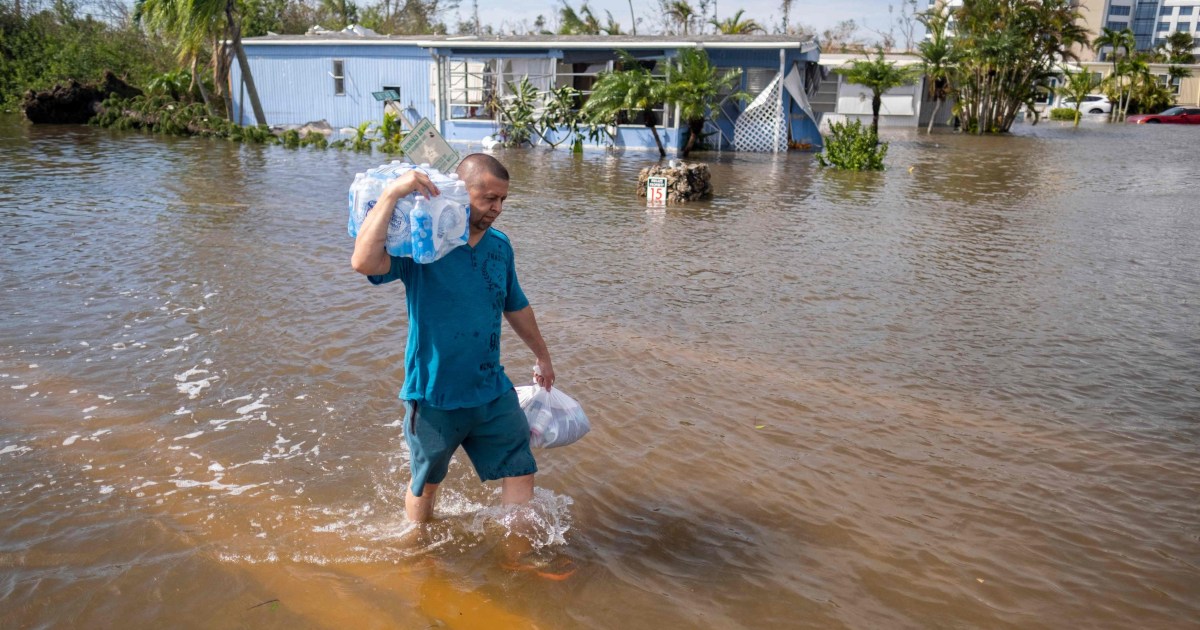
(487, 201)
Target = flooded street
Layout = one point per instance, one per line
(962, 393)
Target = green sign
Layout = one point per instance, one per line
(386, 95)
(424, 145)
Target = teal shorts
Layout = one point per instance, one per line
(495, 437)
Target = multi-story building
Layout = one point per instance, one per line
(1150, 20)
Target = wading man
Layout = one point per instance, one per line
(455, 390)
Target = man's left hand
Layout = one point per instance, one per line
(543, 373)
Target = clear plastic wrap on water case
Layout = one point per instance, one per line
(440, 224)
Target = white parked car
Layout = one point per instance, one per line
(1092, 104)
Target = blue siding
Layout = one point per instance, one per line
(756, 58)
(296, 86)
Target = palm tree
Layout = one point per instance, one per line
(695, 87)
(631, 89)
(937, 58)
(786, 7)
(343, 12)
(681, 12)
(1117, 40)
(164, 16)
(192, 22)
(1077, 87)
(880, 76)
(735, 26)
(582, 22)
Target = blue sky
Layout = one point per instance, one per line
(869, 14)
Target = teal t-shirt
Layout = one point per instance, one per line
(454, 316)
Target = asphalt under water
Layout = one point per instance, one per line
(964, 392)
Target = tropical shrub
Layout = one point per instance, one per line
(853, 147)
(518, 112)
(1064, 113)
(390, 134)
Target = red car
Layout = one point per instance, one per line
(1176, 115)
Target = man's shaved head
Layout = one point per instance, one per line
(473, 167)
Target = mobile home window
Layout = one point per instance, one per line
(339, 77)
(470, 87)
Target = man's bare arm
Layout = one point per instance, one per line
(525, 325)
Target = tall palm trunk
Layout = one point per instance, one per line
(235, 32)
(652, 124)
(695, 129)
(876, 104)
(937, 104)
(198, 81)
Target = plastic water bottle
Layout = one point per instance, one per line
(451, 224)
(399, 234)
(421, 222)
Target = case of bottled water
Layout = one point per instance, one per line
(424, 229)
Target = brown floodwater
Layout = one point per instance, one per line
(961, 393)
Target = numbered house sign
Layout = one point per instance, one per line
(656, 191)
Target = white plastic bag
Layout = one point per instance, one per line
(555, 419)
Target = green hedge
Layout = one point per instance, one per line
(1062, 113)
(853, 147)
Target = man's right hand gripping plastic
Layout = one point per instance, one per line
(421, 229)
(555, 419)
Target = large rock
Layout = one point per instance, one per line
(685, 182)
(73, 102)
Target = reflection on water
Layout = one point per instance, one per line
(961, 392)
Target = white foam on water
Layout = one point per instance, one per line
(246, 397)
(301, 397)
(103, 397)
(91, 409)
(106, 489)
(14, 448)
(189, 337)
(194, 371)
(21, 386)
(219, 425)
(215, 484)
(99, 433)
(71, 440)
(175, 349)
(254, 406)
(181, 411)
(208, 295)
(215, 467)
(190, 436)
(543, 522)
(118, 346)
(85, 344)
(193, 388)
